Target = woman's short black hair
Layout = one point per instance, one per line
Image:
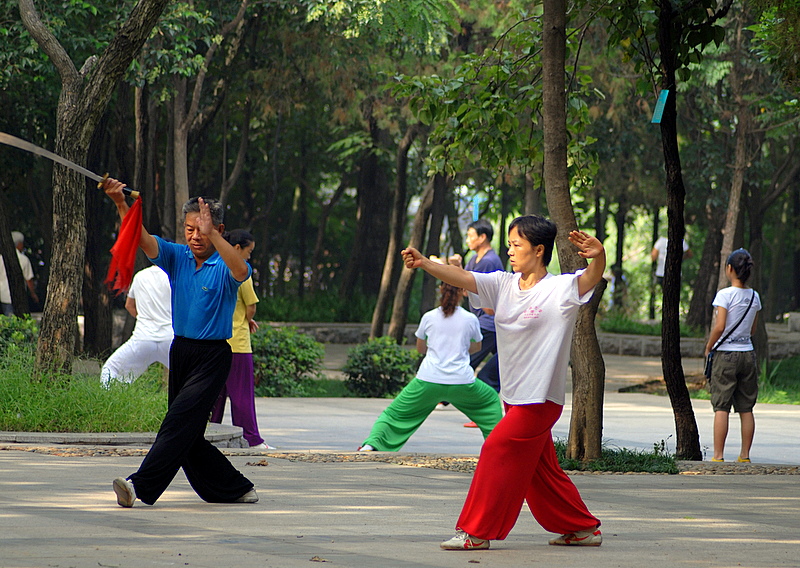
(538, 231)
(239, 237)
(742, 263)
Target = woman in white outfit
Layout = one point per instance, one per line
(446, 336)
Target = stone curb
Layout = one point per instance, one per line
(220, 435)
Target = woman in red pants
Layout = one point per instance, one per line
(535, 315)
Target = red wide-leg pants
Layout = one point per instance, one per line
(518, 461)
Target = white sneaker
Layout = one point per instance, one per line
(591, 537)
(126, 494)
(366, 448)
(263, 446)
(249, 497)
(463, 541)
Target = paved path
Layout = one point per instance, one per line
(57, 508)
(58, 511)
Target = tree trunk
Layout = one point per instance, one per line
(391, 263)
(83, 99)
(735, 197)
(190, 118)
(364, 268)
(241, 154)
(317, 263)
(168, 216)
(428, 300)
(180, 155)
(620, 217)
(397, 323)
(588, 370)
(97, 320)
(655, 236)
(705, 285)
(688, 438)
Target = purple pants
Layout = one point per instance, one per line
(240, 389)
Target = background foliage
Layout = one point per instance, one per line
(285, 361)
(380, 367)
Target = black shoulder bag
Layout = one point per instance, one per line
(710, 356)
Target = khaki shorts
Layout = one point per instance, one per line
(734, 380)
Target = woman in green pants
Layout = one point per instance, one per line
(446, 336)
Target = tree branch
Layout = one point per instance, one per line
(47, 41)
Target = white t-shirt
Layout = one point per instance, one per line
(448, 339)
(27, 274)
(661, 260)
(736, 300)
(534, 333)
(150, 288)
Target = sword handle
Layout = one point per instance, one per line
(130, 191)
(126, 190)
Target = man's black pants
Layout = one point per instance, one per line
(198, 370)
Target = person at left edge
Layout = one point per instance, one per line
(205, 275)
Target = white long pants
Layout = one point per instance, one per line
(133, 358)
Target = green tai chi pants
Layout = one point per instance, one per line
(417, 400)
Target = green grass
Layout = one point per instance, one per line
(615, 322)
(78, 403)
(622, 460)
(779, 383)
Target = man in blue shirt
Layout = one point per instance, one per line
(205, 275)
(479, 240)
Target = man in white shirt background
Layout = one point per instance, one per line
(149, 301)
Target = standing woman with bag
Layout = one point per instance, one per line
(734, 373)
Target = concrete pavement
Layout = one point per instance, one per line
(57, 507)
(60, 511)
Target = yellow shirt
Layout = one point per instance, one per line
(240, 342)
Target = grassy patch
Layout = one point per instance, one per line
(78, 403)
(622, 460)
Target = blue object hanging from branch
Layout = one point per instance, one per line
(476, 206)
(659, 111)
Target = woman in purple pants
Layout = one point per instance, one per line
(240, 384)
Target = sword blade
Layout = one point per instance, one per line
(10, 140)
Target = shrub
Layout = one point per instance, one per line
(16, 334)
(379, 367)
(285, 361)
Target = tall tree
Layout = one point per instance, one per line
(490, 113)
(85, 92)
(190, 115)
(677, 33)
(588, 367)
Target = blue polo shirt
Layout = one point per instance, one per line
(489, 263)
(203, 299)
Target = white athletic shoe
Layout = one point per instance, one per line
(126, 494)
(249, 497)
(579, 538)
(463, 541)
